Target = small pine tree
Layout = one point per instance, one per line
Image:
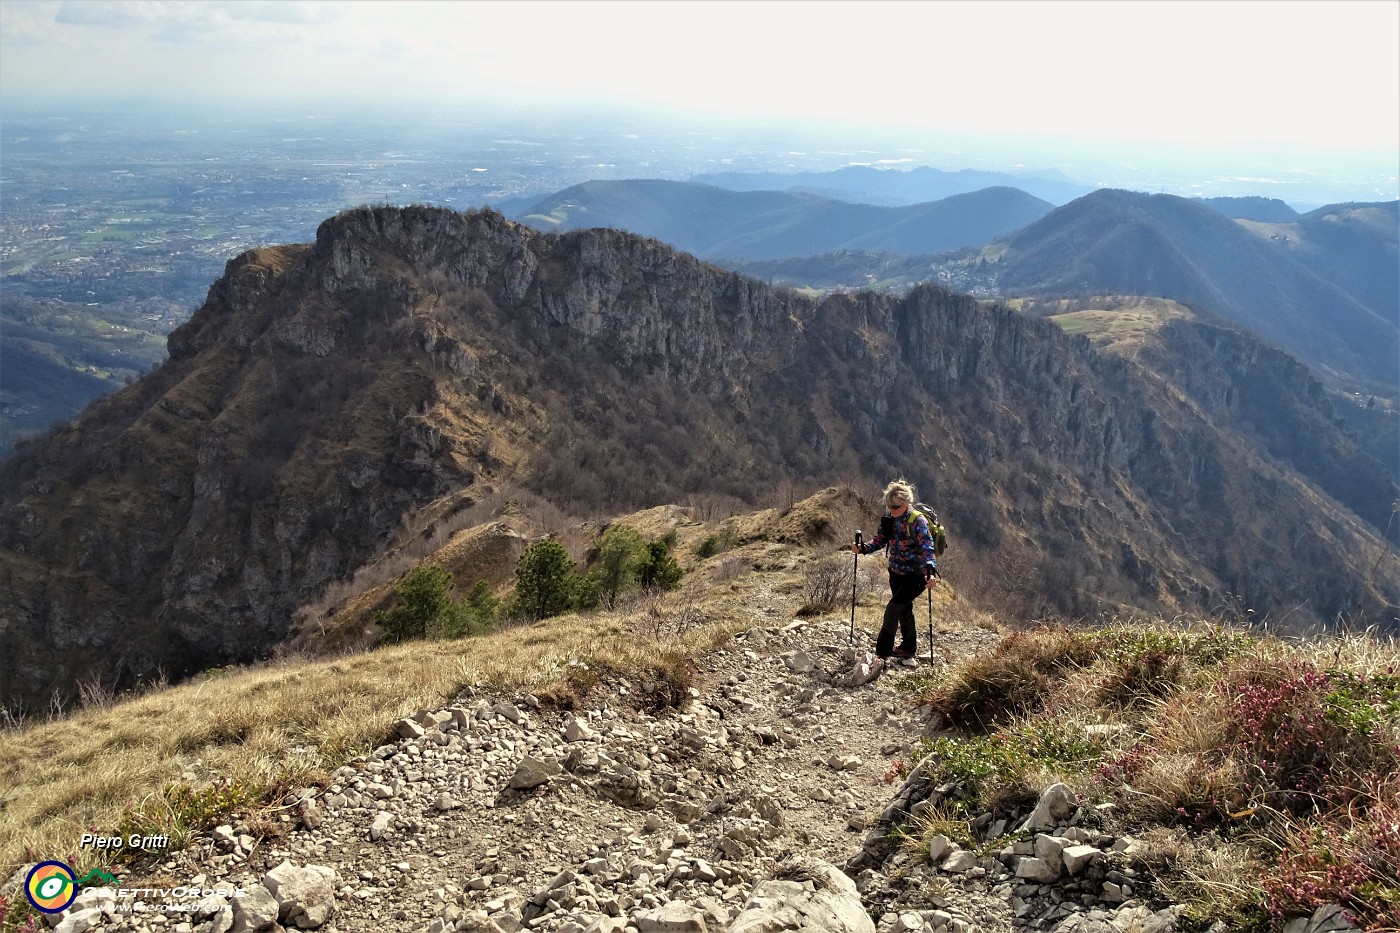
(546, 581)
(425, 606)
(622, 553)
(480, 609)
(661, 570)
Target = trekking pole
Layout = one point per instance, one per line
(929, 590)
(860, 542)
(930, 625)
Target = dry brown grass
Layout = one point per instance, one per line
(1210, 876)
(1014, 679)
(280, 723)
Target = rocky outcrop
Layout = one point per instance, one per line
(818, 898)
(326, 395)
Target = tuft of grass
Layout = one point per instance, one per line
(1012, 679)
(937, 821)
(1266, 770)
(1208, 875)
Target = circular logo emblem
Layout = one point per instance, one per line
(50, 887)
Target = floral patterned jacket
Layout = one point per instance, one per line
(911, 545)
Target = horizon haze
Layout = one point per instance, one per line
(1299, 101)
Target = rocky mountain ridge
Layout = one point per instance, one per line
(329, 399)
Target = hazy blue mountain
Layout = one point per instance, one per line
(56, 357)
(893, 187)
(1358, 247)
(1265, 210)
(1299, 296)
(714, 223)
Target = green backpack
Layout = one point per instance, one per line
(935, 527)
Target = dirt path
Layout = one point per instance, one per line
(766, 761)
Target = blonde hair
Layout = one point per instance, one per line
(902, 490)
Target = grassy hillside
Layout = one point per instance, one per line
(167, 760)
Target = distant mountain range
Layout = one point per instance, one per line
(894, 187)
(1324, 287)
(715, 223)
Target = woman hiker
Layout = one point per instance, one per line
(912, 563)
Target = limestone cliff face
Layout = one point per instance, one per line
(1262, 393)
(325, 394)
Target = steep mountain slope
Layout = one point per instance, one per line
(1120, 242)
(865, 184)
(330, 399)
(712, 222)
(1252, 389)
(1358, 247)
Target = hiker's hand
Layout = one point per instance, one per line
(854, 549)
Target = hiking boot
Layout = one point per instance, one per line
(902, 653)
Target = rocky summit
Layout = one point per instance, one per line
(768, 800)
(333, 403)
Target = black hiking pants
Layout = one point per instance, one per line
(899, 613)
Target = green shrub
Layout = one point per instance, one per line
(660, 571)
(546, 581)
(425, 606)
(723, 540)
(1363, 705)
(480, 609)
(179, 810)
(622, 554)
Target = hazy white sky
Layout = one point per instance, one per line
(1196, 73)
